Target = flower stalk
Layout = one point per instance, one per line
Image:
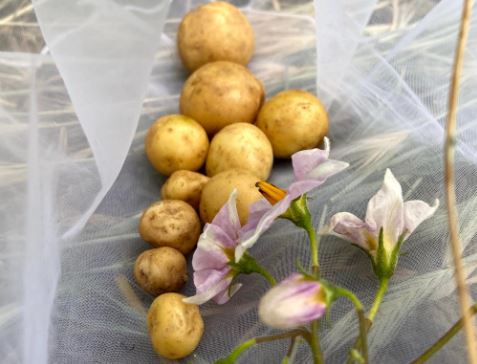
(241, 348)
(315, 343)
(367, 321)
(444, 339)
(383, 287)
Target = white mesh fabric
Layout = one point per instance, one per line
(383, 70)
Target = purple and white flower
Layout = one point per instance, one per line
(293, 302)
(387, 211)
(311, 169)
(213, 274)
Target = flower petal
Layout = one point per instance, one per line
(416, 212)
(257, 210)
(211, 256)
(227, 217)
(292, 303)
(210, 252)
(352, 228)
(326, 169)
(385, 210)
(316, 177)
(227, 294)
(209, 283)
(306, 160)
(269, 215)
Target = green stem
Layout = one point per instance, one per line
(300, 215)
(444, 339)
(315, 269)
(368, 321)
(233, 356)
(363, 324)
(291, 350)
(315, 264)
(315, 343)
(383, 286)
(266, 274)
(239, 349)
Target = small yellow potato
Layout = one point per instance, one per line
(176, 142)
(216, 31)
(221, 93)
(175, 327)
(184, 185)
(293, 120)
(172, 223)
(240, 146)
(216, 192)
(160, 270)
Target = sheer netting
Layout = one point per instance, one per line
(80, 83)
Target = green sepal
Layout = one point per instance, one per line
(385, 264)
(330, 293)
(246, 265)
(298, 212)
(395, 253)
(381, 260)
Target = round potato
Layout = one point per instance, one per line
(217, 31)
(293, 120)
(176, 142)
(160, 270)
(172, 223)
(175, 327)
(184, 185)
(240, 146)
(221, 93)
(216, 192)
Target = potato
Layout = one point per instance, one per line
(160, 270)
(240, 146)
(221, 93)
(172, 223)
(175, 327)
(293, 120)
(176, 142)
(216, 192)
(184, 185)
(216, 31)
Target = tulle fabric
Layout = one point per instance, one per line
(81, 82)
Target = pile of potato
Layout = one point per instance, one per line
(225, 130)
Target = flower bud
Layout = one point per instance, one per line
(293, 302)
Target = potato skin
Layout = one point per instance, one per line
(240, 146)
(172, 223)
(216, 192)
(184, 185)
(216, 31)
(160, 270)
(175, 327)
(176, 142)
(221, 93)
(293, 120)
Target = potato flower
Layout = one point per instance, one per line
(214, 261)
(311, 169)
(388, 222)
